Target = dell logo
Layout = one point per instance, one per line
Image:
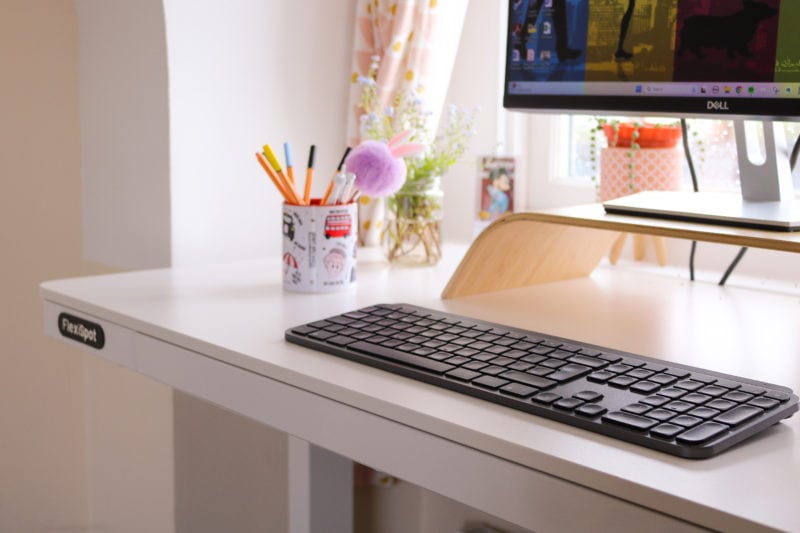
(717, 105)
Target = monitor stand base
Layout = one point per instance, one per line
(725, 208)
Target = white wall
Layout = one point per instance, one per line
(42, 461)
(243, 74)
(124, 132)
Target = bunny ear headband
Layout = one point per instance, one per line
(399, 147)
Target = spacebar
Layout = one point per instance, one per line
(404, 358)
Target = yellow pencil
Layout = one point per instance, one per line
(273, 161)
(273, 177)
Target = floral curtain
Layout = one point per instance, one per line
(414, 42)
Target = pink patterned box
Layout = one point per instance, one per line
(658, 169)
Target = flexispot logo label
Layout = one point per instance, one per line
(81, 330)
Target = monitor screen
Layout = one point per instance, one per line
(686, 58)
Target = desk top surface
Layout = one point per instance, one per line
(237, 313)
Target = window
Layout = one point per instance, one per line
(711, 144)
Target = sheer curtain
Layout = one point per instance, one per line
(415, 42)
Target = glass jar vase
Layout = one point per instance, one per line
(412, 233)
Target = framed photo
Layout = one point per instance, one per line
(496, 187)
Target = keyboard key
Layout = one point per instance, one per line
(489, 382)
(720, 405)
(567, 404)
(777, 395)
(462, 374)
(645, 387)
(739, 414)
(636, 408)
(640, 373)
(590, 409)
(695, 398)
(592, 362)
(589, 396)
(571, 371)
(703, 412)
(737, 396)
(518, 390)
(456, 360)
(341, 340)
(629, 420)
(619, 368)
(713, 390)
(688, 384)
(660, 414)
(528, 379)
(601, 377)
(622, 381)
(403, 358)
(546, 397)
(672, 393)
(666, 431)
(702, 433)
(664, 379)
(685, 421)
(763, 402)
(493, 370)
(656, 400)
(677, 372)
(678, 406)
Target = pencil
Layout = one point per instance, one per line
(273, 177)
(275, 164)
(309, 175)
(287, 150)
(333, 178)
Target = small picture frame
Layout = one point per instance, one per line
(495, 188)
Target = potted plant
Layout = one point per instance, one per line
(639, 156)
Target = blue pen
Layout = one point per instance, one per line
(287, 150)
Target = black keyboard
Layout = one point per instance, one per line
(685, 411)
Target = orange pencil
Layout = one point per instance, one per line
(287, 195)
(309, 175)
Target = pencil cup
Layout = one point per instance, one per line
(319, 247)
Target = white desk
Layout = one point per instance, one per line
(217, 332)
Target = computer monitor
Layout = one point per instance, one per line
(737, 59)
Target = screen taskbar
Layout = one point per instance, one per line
(688, 89)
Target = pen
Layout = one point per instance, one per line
(273, 161)
(287, 150)
(347, 190)
(338, 169)
(338, 186)
(309, 175)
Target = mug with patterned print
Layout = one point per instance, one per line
(319, 247)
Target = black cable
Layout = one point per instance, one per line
(795, 153)
(693, 174)
(733, 265)
(688, 153)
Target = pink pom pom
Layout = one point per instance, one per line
(378, 172)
